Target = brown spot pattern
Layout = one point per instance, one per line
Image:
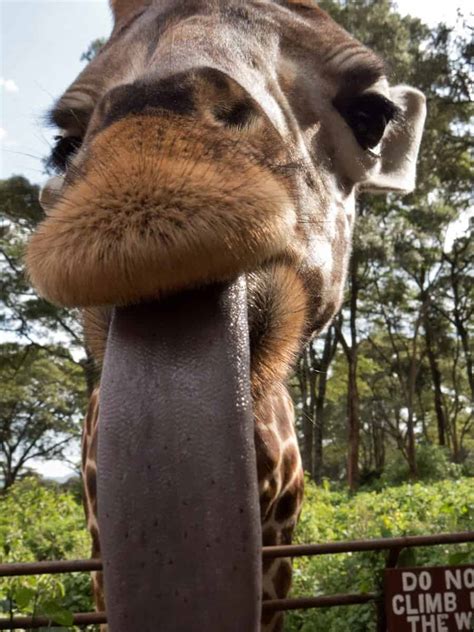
(282, 579)
(286, 507)
(269, 537)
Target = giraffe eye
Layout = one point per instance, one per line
(368, 115)
(64, 149)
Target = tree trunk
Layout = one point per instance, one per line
(9, 472)
(460, 325)
(8, 480)
(91, 374)
(436, 377)
(307, 421)
(353, 421)
(330, 344)
(411, 388)
(454, 436)
(411, 447)
(462, 332)
(378, 438)
(353, 425)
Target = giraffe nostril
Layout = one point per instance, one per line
(239, 114)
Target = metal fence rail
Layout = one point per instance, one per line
(393, 545)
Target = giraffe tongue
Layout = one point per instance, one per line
(177, 491)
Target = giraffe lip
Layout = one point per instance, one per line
(175, 417)
(168, 223)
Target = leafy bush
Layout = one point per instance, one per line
(418, 509)
(39, 522)
(432, 461)
(43, 523)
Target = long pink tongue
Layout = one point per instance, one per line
(177, 482)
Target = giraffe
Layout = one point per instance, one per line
(210, 139)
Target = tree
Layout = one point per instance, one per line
(41, 401)
(458, 294)
(93, 50)
(43, 522)
(401, 275)
(310, 386)
(352, 356)
(396, 369)
(24, 316)
(43, 381)
(44, 370)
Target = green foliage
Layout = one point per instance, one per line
(43, 381)
(328, 515)
(410, 292)
(23, 313)
(41, 401)
(43, 523)
(433, 464)
(39, 522)
(93, 49)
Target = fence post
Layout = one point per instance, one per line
(392, 561)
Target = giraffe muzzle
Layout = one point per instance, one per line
(161, 201)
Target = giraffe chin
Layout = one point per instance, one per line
(158, 209)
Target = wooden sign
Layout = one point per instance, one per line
(436, 599)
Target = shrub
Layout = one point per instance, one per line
(418, 509)
(433, 464)
(38, 523)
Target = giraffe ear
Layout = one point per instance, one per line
(122, 9)
(399, 149)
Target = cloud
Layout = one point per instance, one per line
(8, 85)
(3, 133)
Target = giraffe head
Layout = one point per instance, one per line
(209, 138)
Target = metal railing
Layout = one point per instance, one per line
(393, 545)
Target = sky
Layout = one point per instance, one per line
(41, 42)
(41, 45)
